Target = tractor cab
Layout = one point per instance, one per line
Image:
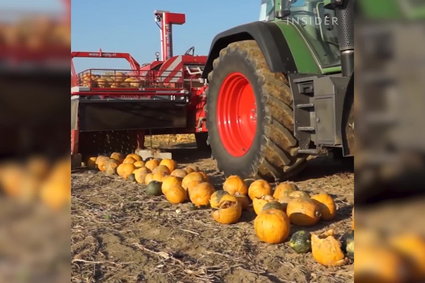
(315, 21)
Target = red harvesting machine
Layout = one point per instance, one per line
(112, 109)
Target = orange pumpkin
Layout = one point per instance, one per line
(327, 250)
(284, 189)
(91, 162)
(326, 205)
(152, 164)
(101, 162)
(243, 200)
(139, 164)
(170, 182)
(204, 175)
(200, 195)
(125, 170)
(216, 198)
(161, 169)
(129, 160)
(229, 212)
(380, 263)
(158, 176)
(176, 194)
(148, 178)
(56, 189)
(259, 188)
(192, 177)
(272, 226)
(303, 212)
(234, 184)
(117, 156)
(134, 156)
(412, 246)
(140, 174)
(179, 173)
(258, 203)
(170, 163)
(111, 166)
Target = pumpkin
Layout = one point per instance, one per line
(169, 163)
(140, 174)
(259, 188)
(272, 226)
(379, 263)
(148, 178)
(326, 205)
(300, 242)
(91, 162)
(191, 185)
(229, 212)
(179, 173)
(326, 250)
(191, 168)
(101, 162)
(161, 169)
(216, 198)
(170, 182)
(243, 200)
(151, 164)
(348, 244)
(249, 181)
(158, 176)
(284, 189)
(200, 195)
(234, 184)
(176, 194)
(303, 212)
(134, 156)
(129, 160)
(299, 194)
(117, 156)
(55, 191)
(154, 188)
(139, 164)
(258, 203)
(411, 246)
(192, 177)
(125, 169)
(111, 167)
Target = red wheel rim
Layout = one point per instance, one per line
(236, 114)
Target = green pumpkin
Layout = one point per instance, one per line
(154, 188)
(300, 242)
(273, 205)
(348, 244)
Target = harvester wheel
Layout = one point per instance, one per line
(250, 119)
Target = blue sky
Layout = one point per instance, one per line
(128, 26)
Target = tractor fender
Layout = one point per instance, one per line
(268, 36)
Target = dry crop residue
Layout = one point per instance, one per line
(119, 234)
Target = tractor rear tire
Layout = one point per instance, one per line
(251, 137)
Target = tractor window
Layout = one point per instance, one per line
(267, 10)
(319, 27)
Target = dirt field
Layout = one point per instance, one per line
(119, 234)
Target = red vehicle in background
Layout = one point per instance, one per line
(112, 109)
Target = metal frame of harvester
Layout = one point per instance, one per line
(114, 108)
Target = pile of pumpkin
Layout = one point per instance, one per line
(116, 80)
(276, 209)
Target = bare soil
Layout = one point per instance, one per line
(119, 234)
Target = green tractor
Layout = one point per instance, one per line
(281, 89)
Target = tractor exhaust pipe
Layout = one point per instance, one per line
(345, 15)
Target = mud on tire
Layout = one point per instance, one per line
(274, 152)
